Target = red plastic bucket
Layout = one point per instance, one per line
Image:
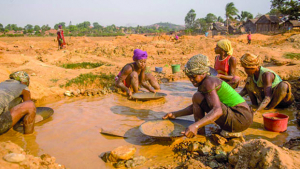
(275, 122)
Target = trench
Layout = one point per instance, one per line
(72, 134)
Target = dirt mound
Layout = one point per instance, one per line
(293, 144)
(260, 153)
(294, 38)
(28, 161)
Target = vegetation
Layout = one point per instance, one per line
(101, 80)
(230, 11)
(83, 65)
(287, 7)
(292, 56)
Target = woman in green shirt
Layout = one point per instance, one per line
(265, 85)
(214, 102)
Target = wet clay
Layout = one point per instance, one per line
(162, 128)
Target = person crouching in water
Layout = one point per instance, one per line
(133, 74)
(214, 102)
(15, 90)
(225, 63)
(265, 85)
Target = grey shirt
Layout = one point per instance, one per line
(10, 94)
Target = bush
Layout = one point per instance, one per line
(292, 55)
(84, 65)
(101, 80)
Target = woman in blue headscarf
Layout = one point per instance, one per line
(133, 74)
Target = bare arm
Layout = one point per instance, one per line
(143, 82)
(232, 69)
(124, 74)
(267, 78)
(26, 95)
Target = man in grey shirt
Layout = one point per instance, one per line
(12, 109)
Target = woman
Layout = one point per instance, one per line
(214, 102)
(265, 85)
(225, 63)
(13, 90)
(134, 74)
(60, 38)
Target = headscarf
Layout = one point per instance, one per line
(197, 65)
(20, 76)
(225, 44)
(59, 26)
(138, 54)
(249, 60)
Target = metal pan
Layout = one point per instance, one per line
(148, 96)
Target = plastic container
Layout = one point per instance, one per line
(158, 69)
(176, 68)
(275, 122)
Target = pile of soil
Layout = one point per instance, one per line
(260, 153)
(162, 128)
(293, 144)
(30, 161)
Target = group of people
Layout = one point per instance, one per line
(216, 101)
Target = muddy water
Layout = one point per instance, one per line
(72, 134)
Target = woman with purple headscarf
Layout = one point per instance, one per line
(60, 38)
(133, 74)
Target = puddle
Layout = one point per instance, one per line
(72, 134)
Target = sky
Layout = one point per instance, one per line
(118, 12)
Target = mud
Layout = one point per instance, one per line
(162, 128)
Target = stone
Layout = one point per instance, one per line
(105, 156)
(68, 93)
(219, 139)
(193, 147)
(123, 152)
(236, 141)
(204, 150)
(119, 164)
(33, 74)
(14, 158)
(222, 157)
(213, 164)
(136, 161)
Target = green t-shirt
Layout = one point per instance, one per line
(229, 96)
(263, 70)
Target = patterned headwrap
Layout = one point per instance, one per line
(249, 60)
(197, 65)
(225, 44)
(138, 54)
(20, 76)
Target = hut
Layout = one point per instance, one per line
(291, 24)
(267, 23)
(218, 28)
(250, 25)
(233, 29)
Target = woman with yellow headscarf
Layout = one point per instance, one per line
(225, 63)
(265, 85)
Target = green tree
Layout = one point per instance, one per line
(14, 27)
(45, 27)
(220, 19)
(245, 15)
(258, 15)
(1, 28)
(287, 7)
(203, 24)
(230, 11)
(96, 25)
(8, 27)
(274, 11)
(190, 19)
(211, 18)
(28, 27)
(37, 28)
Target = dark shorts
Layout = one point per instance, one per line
(5, 121)
(235, 119)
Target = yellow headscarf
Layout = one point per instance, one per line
(249, 60)
(225, 44)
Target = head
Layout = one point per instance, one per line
(250, 63)
(20, 76)
(224, 46)
(59, 26)
(197, 69)
(140, 58)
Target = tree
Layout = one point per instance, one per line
(211, 18)
(8, 27)
(203, 24)
(1, 28)
(231, 11)
(28, 27)
(45, 28)
(245, 15)
(190, 19)
(287, 7)
(258, 15)
(220, 19)
(274, 11)
(96, 25)
(37, 28)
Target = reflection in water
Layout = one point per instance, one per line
(73, 134)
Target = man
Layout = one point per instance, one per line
(13, 91)
(265, 85)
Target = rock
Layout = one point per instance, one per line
(213, 164)
(219, 139)
(14, 158)
(123, 152)
(105, 157)
(68, 93)
(205, 150)
(193, 147)
(82, 91)
(137, 161)
(235, 141)
(222, 157)
(119, 164)
(33, 74)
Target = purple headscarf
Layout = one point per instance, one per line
(59, 26)
(138, 54)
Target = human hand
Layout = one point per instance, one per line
(191, 131)
(152, 90)
(169, 116)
